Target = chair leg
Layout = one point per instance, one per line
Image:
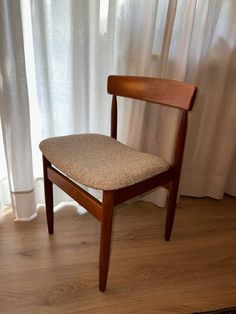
(105, 239)
(170, 215)
(48, 191)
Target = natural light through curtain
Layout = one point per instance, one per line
(56, 56)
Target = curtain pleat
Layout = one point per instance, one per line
(55, 59)
(15, 116)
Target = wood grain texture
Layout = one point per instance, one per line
(166, 92)
(76, 192)
(196, 271)
(174, 184)
(114, 117)
(48, 190)
(105, 238)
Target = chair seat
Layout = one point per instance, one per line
(100, 162)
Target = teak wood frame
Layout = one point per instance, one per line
(166, 92)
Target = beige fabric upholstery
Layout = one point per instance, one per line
(99, 161)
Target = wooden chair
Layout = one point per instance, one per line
(101, 162)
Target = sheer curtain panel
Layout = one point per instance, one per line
(15, 114)
(55, 57)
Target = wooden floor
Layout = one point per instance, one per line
(195, 271)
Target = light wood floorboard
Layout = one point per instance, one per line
(195, 271)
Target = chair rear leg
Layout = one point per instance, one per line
(105, 239)
(48, 191)
(170, 215)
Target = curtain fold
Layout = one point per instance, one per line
(198, 47)
(211, 145)
(55, 59)
(15, 118)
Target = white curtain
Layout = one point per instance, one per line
(15, 113)
(55, 58)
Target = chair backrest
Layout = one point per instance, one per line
(162, 91)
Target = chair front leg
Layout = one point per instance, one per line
(48, 191)
(105, 238)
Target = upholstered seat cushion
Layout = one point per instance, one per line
(99, 161)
